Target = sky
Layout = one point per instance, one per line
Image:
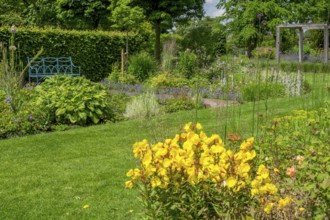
(210, 8)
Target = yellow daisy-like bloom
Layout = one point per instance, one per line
(199, 126)
(187, 127)
(129, 184)
(86, 206)
(231, 182)
(268, 208)
(282, 203)
(263, 171)
(247, 145)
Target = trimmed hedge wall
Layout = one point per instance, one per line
(94, 51)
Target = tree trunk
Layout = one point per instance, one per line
(157, 42)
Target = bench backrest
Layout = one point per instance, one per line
(51, 65)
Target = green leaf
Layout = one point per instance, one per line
(60, 111)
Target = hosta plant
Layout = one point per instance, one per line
(72, 100)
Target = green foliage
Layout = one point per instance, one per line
(168, 57)
(264, 52)
(142, 106)
(142, 66)
(300, 141)
(163, 12)
(25, 121)
(72, 100)
(207, 35)
(117, 104)
(179, 104)
(94, 51)
(83, 14)
(187, 64)
(251, 21)
(262, 91)
(166, 80)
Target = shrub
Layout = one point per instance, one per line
(142, 66)
(72, 100)
(262, 91)
(298, 146)
(26, 121)
(264, 52)
(166, 80)
(187, 64)
(179, 104)
(193, 176)
(142, 106)
(97, 50)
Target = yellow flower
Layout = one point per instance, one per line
(129, 184)
(263, 171)
(86, 206)
(231, 182)
(268, 208)
(301, 209)
(155, 182)
(282, 203)
(187, 127)
(199, 126)
(276, 170)
(243, 169)
(146, 161)
(247, 145)
(215, 149)
(268, 188)
(167, 162)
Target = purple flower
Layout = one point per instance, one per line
(13, 29)
(198, 51)
(15, 120)
(269, 33)
(30, 117)
(260, 15)
(7, 99)
(263, 21)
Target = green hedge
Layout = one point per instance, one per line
(94, 51)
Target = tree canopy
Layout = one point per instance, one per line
(250, 21)
(162, 11)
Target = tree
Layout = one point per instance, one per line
(159, 12)
(207, 35)
(88, 13)
(126, 18)
(250, 21)
(28, 12)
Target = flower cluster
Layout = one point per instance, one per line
(191, 158)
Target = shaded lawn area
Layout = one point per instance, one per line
(54, 175)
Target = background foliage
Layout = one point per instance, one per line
(94, 51)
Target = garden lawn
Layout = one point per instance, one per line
(80, 173)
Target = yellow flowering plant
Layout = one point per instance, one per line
(297, 148)
(194, 176)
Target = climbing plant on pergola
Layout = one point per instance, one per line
(301, 28)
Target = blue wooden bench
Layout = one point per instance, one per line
(49, 66)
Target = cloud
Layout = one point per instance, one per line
(211, 9)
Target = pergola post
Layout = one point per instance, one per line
(326, 44)
(278, 41)
(301, 44)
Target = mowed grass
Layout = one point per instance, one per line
(54, 175)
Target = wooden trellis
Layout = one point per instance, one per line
(301, 27)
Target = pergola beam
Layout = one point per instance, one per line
(301, 27)
(301, 44)
(326, 45)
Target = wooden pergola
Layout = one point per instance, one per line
(301, 28)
